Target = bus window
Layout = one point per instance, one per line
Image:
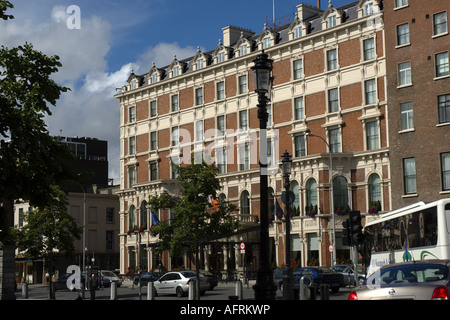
(447, 216)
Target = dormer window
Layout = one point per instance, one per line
(154, 77)
(133, 84)
(368, 9)
(175, 68)
(199, 64)
(243, 49)
(221, 57)
(155, 74)
(331, 21)
(297, 32)
(266, 42)
(331, 17)
(175, 71)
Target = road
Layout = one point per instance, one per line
(130, 292)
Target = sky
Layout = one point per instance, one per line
(99, 42)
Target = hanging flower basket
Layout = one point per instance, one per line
(311, 210)
(375, 206)
(340, 211)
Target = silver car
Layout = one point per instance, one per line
(348, 273)
(177, 282)
(419, 280)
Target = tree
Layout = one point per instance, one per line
(196, 221)
(31, 161)
(48, 232)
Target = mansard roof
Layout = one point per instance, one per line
(314, 24)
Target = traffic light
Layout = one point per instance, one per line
(346, 238)
(356, 234)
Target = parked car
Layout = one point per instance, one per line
(349, 275)
(107, 277)
(61, 282)
(212, 280)
(278, 276)
(319, 275)
(177, 282)
(414, 280)
(146, 277)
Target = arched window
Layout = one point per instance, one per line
(245, 203)
(374, 188)
(132, 217)
(340, 192)
(143, 214)
(311, 192)
(295, 206)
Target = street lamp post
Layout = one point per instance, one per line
(333, 240)
(288, 285)
(265, 288)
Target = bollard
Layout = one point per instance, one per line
(25, 290)
(312, 292)
(150, 291)
(305, 284)
(324, 291)
(238, 291)
(191, 290)
(113, 291)
(92, 289)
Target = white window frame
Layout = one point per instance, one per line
(400, 36)
(442, 69)
(407, 116)
(369, 49)
(404, 74)
(443, 32)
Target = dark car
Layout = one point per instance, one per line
(61, 282)
(146, 277)
(278, 276)
(319, 275)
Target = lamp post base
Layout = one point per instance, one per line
(265, 288)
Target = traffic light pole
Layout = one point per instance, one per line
(355, 259)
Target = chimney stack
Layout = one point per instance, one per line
(318, 4)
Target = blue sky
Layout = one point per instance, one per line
(117, 36)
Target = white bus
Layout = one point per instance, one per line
(417, 232)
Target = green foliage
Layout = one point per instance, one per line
(195, 220)
(4, 5)
(48, 229)
(31, 161)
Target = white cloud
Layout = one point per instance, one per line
(162, 55)
(89, 109)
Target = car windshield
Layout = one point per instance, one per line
(108, 274)
(409, 273)
(339, 268)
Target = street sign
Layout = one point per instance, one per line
(331, 248)
(242, 246)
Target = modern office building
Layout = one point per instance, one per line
(329, 81)
(93, 203)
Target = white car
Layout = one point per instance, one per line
(108, 277)
(177, 282)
